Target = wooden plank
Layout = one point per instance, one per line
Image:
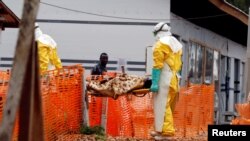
(85, 102)
(104, 113)
(19, 70)
(226, 7)
(31, 121)
(247, 65)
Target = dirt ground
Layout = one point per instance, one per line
(81, 137)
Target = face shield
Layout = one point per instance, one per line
(161, 30)
(38, 31)
(161, 27)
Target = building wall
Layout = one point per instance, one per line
(230, 85)
(189, 31)
(0, 35)
(122, 28)
(85, 28)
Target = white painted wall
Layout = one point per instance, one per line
(0, 35)
(189, 31)
(87, 41)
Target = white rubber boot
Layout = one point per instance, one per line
(154, 133)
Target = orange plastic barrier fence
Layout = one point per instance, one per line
(113, 115)
(244, 114)
(127, 116)
(142, 115)
(61, 92)
(95, 110)
(4, 84)
(132, 116)
(194, 110)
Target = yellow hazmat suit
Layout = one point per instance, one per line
(167, 53)
(47, 50)
(48, 57)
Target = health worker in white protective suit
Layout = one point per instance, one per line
(47, 50)
(167, 52)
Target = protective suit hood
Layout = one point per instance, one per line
(161, 29)
(38, 31)
(44, 38)
(164, 35)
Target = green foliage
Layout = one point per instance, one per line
(97, 130)
(241, 4)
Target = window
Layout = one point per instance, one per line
(216, 66)
(195, 63)
(191, 63)
(209, 66)
(199, 64)
(202, 64)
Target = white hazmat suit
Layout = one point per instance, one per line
(167, 53)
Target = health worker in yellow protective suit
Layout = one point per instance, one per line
(167, 52)
(47, 50)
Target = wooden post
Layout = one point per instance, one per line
(85, 103)
(31, 121)
(104, 113)
(20, 89)
(247, 64)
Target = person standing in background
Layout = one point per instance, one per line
(100, 68)
(167, 52)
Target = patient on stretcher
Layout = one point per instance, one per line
(114, 84)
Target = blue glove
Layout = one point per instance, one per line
(156, 73)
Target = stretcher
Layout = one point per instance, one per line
(114, 85)
(118, 84)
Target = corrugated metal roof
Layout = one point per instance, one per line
(7, 18)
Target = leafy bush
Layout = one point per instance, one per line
(97, 130)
